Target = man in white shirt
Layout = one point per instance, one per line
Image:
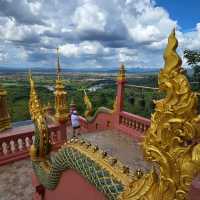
(75, 123)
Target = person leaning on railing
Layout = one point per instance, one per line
(75, 121)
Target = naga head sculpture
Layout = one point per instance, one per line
(171, 141)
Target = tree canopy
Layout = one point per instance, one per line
(193, 57)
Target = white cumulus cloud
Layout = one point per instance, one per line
(83, 48)
(89, 16)
(89, 32)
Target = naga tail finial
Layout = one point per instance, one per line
(172, 80)
(88, 104)
(35, 108)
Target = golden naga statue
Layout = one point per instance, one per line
(41, 146)
(170, 142)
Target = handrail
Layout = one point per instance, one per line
(142, 87)
(15, 142)
(135, 117)
(133, 125)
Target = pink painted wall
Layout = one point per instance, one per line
(194, 193)
(103, 121)
(72, 186)
(130, 124)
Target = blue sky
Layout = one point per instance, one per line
(187, 13)
(94, 33)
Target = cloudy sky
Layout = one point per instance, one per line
(94, 33)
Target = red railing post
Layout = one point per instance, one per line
(121, 80)
(119, 104)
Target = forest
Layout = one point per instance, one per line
(101, 92)
(100, 87)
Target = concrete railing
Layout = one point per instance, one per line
(133, 125)
(127, 123)
(15, 142)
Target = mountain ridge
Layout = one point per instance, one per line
(78, 70)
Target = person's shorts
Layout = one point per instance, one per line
(76, 127)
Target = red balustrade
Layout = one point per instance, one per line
(133, 125)
(15, 142)
(127, 123)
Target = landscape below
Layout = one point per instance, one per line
(109, 154)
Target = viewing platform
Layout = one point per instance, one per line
(15, 181)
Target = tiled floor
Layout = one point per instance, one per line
(15, 179)
(120, 146)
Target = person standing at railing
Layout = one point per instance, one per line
(75, 123)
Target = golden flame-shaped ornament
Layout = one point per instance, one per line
(88, 104)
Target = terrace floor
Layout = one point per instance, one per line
(15, 178)
(121, 146)
(15, 181)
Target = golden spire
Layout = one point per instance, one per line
(58, 64)
(60, 95)
(121, 74)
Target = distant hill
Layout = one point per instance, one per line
(78, 70)
(8, 70)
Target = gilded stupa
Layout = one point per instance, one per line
(61, 110)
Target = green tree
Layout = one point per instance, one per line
(193, 59)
